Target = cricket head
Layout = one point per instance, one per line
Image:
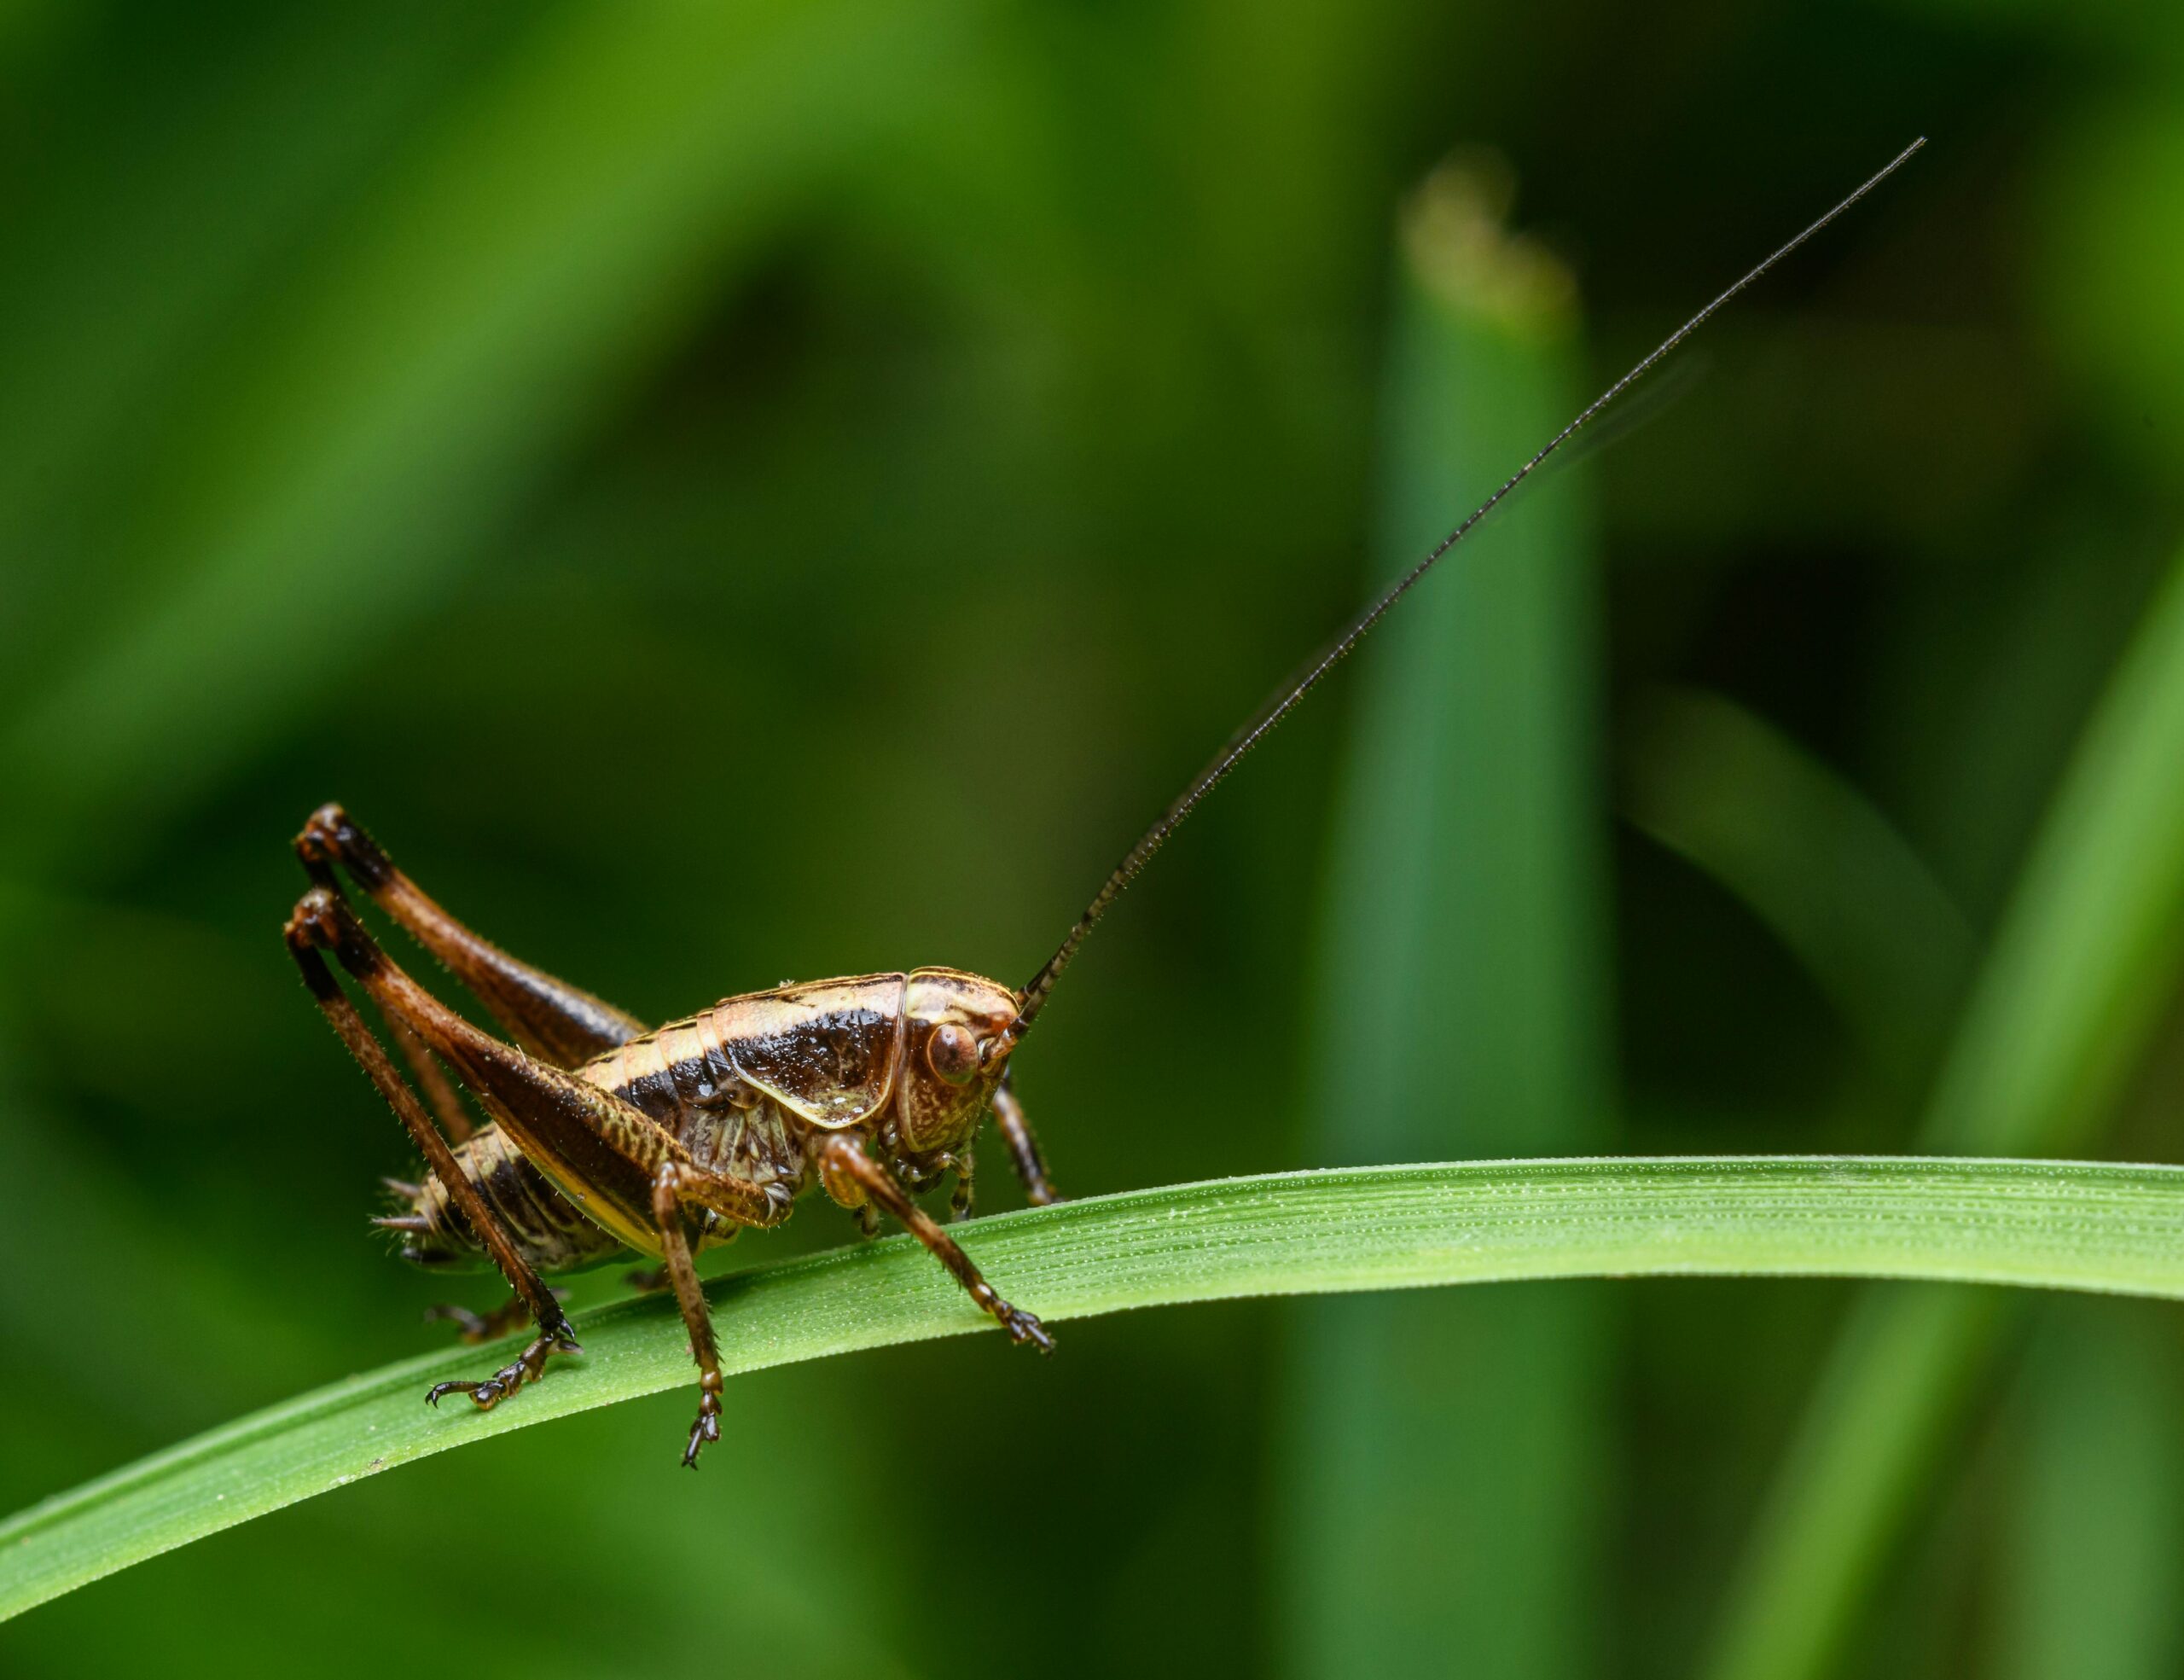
(958, 1030)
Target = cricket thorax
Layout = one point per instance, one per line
(748, 1085)
(683, 1078)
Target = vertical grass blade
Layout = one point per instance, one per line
(1443, 1456)
(2088, 954)
(2091, 1571)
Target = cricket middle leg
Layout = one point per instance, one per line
(697, 1316)
(681, 1195)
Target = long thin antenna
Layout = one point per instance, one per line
(1278, 708)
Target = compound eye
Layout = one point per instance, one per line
(954, 1054)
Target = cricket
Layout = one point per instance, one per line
(606, 1137)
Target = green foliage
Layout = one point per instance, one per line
(2090, 948)
(732, 491)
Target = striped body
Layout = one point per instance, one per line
(747, 1087)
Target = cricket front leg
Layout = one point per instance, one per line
(307, 934)
(1023, 1146)
(963, 1199)
(555, 1021)
(850, 1176)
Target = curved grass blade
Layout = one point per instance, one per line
(1812, 858)
(2037, 1223)
(2087, 958)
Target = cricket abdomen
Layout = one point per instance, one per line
(547, 1228)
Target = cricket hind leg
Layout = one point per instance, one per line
(614, 1148)
(625, 1155)
(308, 934)
(555, 1021)
(560, 1023)
(432, 1079)
(1022, 1145)
(851, 1176)
(472, 1328)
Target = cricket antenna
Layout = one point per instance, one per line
(1278, 708)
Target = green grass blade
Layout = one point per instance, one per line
(2039, 1223)
(2093, 1559)
(1827, 873)
(2088, 956)
(1461, 1007)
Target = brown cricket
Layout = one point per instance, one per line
(606, 1135)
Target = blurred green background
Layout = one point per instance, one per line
(737, 492)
